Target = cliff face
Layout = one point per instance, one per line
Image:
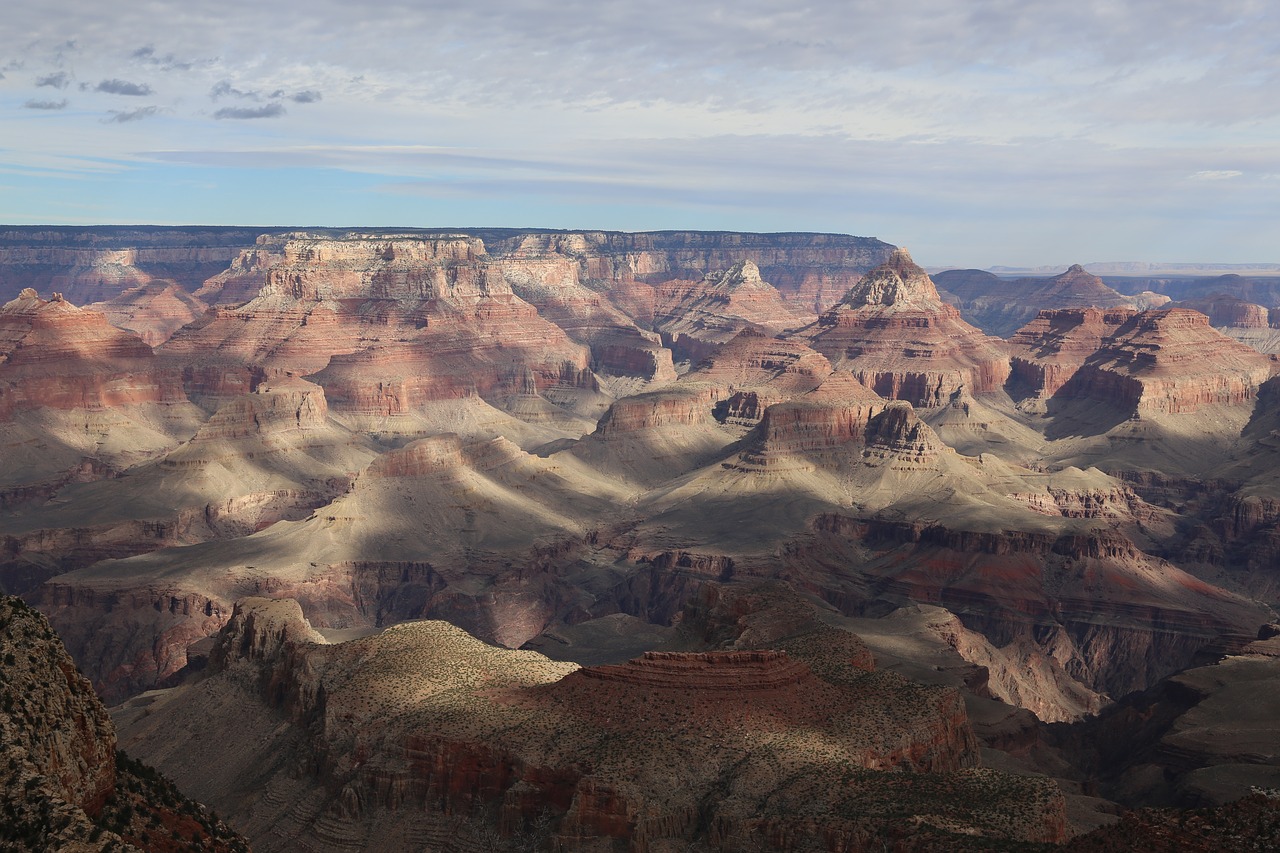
(416, 320)
(98, 263)
(894, 333)
(57, 355)
(1051, 348)
(1169, 361)
(61, 787)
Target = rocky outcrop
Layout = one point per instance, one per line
(810, 270)
(1202, 737)
(1050, 589)
(1000, 306)
(422, 727)
(1048, 351)
(415, 319)
(1168, 361)
(63, 785)
(55, 355)
(51, 715)
(894, 333)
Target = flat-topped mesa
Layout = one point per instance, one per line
(426, 457)
(1170, 361)
(831, 419)
(721, 672)
(1050, 349)
(894, 333)
(1228, 311)
(681, 405)
(377, 268)
(57, 355)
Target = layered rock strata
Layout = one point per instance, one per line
(417, 320)
(1169, 361)
(697, 317)
(53, 354)
(894, 333)
(1051, 348)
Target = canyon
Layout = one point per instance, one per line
(482, 537)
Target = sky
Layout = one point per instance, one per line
(974, 132)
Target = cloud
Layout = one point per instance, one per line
(123, 87)
(168, 62)
(122, 116)
(46, 105)
(308, 96)
(224, 89)
(1216, 175)
(57, 80)
(272, 110)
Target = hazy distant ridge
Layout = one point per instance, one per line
(1143, 268)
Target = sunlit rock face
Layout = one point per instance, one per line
(894, 333)
(1169, 361)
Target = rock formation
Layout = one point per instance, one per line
(699, 316)
(774, 754)
(63, 786)
(1051, 348)
(1168, 361)
(79, 397)
(895, 334)
(97, 264)
(154, 311)
(1001, 306)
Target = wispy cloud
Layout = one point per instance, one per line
(167, 62)
(1215, 175)
(224, 89)
(272, 110)
(124, 87)
(46, 105)
(122, 116)
(57, 80)
(307, 96)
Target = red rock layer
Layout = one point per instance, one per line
(415, 319)
(1170, 361)
(1051, 348)
(894, 333)
(756, 371)
(687, 405)
(699, 316)
(57, 355)
(1223, 310)
(834, 418)
(153, 311)
(724, 672)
